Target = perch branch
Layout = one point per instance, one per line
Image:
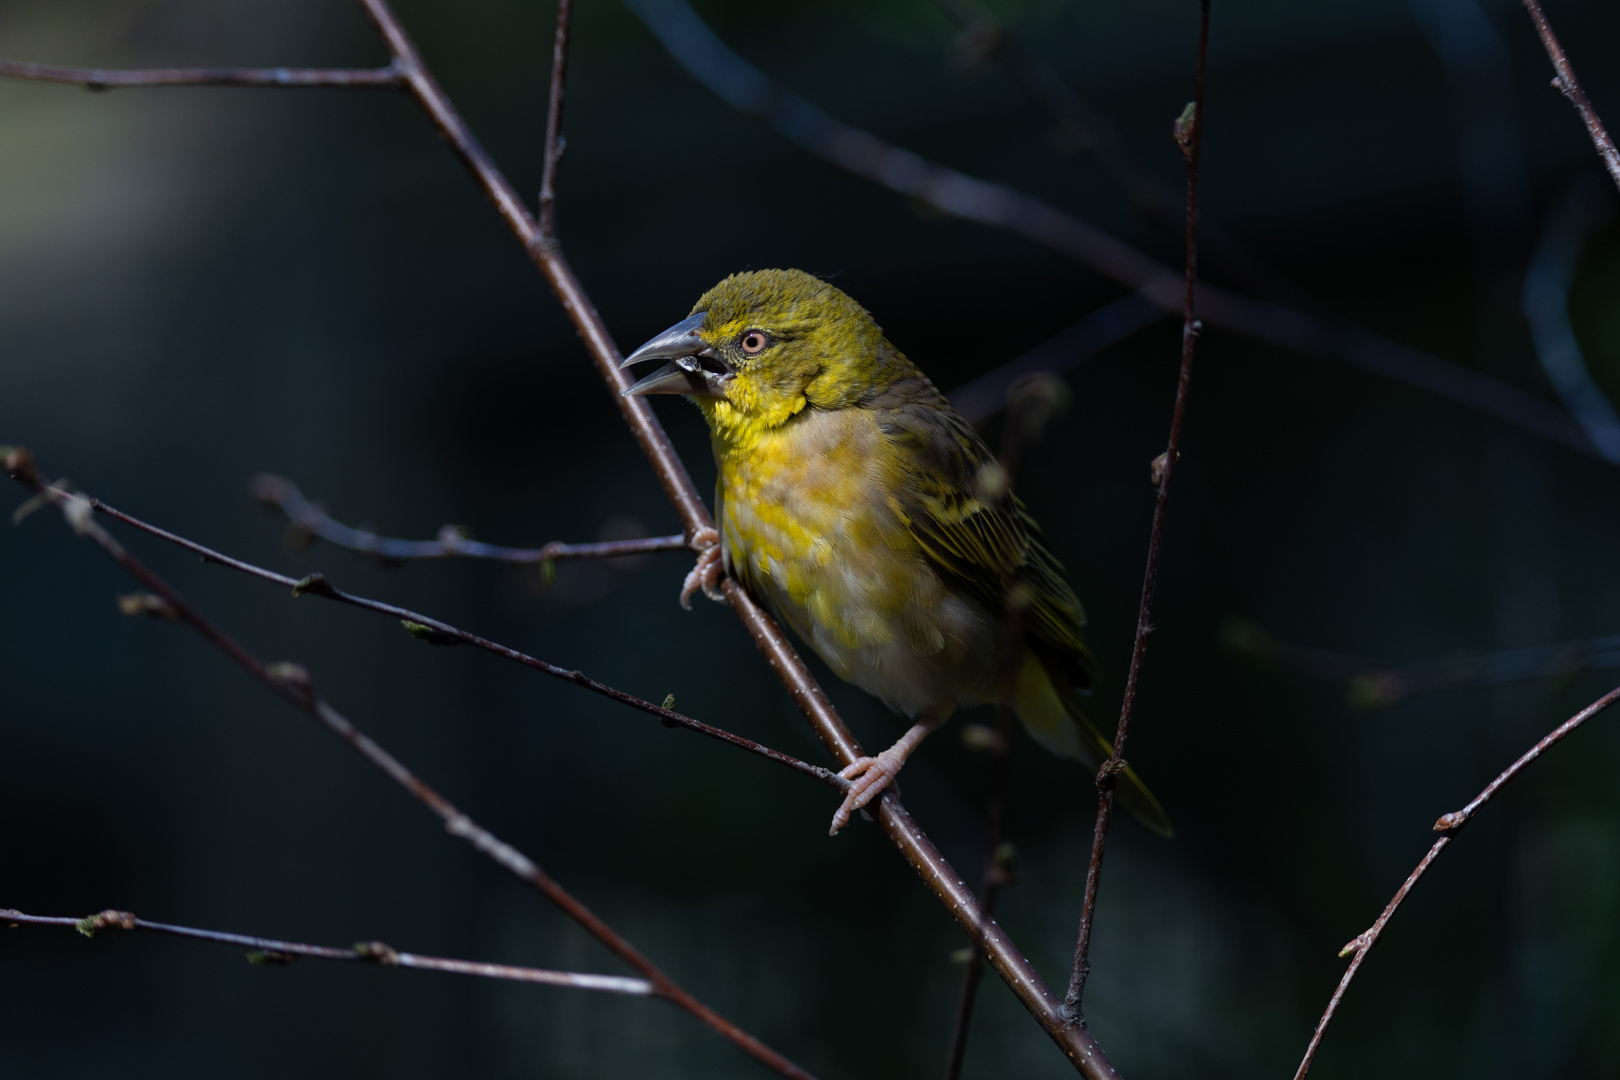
(451, 543)
(271, 951)
(1448, 826)
(1189, 134)
(554, 117)
(1566, 83)
(383, 78)
(706, 58)
(291, 683)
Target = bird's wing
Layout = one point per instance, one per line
(945, 492)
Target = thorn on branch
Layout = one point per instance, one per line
(1185, 129)
(111, 919)
(148, 604)
(377, 952)
(315, 583)
(431, 635)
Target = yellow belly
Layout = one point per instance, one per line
(805, 524)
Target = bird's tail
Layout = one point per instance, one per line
(1052, 714)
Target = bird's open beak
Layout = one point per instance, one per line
(697, 370)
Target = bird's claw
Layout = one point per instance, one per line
(709, 570)
(870, 776)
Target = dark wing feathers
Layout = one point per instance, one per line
(989, 545)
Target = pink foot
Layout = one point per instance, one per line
(870, 775)
(707, 573)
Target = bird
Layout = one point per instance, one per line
(872, 519)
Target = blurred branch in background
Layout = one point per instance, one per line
(1449, 825)
(696, 48)
(1566, 83)
(1372, 685)
(1188, 132)
(310, 520)
(422, 627)
(383, 78)
(1546, 305)
(271, 951)
(291, 682)
(984, 36)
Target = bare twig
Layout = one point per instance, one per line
(383, 78)
(271, 951)
(292, 684)
(1448, 826)
(1189, 135)
(1566, 83)
(1375, 686)
(437, 632)
(554, 118)
(1074, 1039)
(694, 45)
(309, 519)
(1546, 306)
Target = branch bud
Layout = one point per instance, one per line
(149, 604)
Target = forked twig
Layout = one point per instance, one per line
(1448, 826)
(292, 684)
(451, 543)
(272, 951)
(1566, 83)
(1189, 134)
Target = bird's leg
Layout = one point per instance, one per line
(873, 774)
(709, 570)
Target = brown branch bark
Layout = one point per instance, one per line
(451, 543)
(291, 683)
(383, 78)
(272, 951)
(1566, 83)
(1189, 133)
(1448, 826)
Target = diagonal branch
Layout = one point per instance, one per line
(1448, 826)
(292, 684)
(709, 60)
(271, 951)
(1566, 83)
(451, 543)
(435, 632)
(383, 78)
(1189, 134)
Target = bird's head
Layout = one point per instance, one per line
(761, 346)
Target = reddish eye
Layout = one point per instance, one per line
(753, 343)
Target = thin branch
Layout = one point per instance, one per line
(1566, 83)
(309, 519)
(696, 48)
(1448, 826)
(383, 78)
(438, 632)
(1546, 306)
(1021, 976)
(554, 118)
(1189, 135)
(271, 951)
(292, 684)
(1374, 686)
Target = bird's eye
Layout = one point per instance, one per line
(753, 342)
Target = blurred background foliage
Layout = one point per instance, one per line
(198, 284)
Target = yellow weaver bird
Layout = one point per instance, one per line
(857, 504)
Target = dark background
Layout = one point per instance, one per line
(199, 284)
